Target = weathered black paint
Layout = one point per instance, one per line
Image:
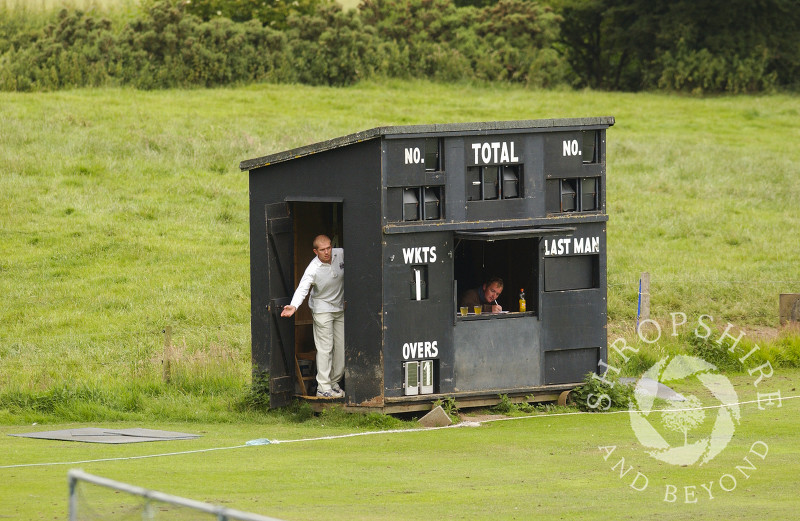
(407, 320)
(562, 336)
(280, 279)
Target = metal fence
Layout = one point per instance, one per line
(87, 502)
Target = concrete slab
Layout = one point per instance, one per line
(436, 418)
(101, 435)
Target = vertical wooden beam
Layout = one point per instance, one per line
(167, 376)
(789, 308)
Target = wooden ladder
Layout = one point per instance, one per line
(304, 355)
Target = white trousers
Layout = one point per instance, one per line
(329, 339)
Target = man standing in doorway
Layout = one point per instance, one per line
(324, 277)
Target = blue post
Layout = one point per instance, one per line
(639, 306)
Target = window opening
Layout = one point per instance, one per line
(511, 182)
(492, 182)
(430, 198)
(491, 189)
(411, 204)
(474, 184)
(418, 377)
(572, 195)
(516, 261)
(591, 146)
(571, 272)
(432, 206)
(568, 195)
(589, 194)
(419, 282)
(433, 155)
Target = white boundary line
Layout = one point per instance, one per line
(370, 433)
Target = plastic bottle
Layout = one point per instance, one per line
(522, 307)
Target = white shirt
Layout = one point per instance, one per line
(326, 282)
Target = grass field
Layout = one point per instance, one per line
(546, 467)
(124, 212)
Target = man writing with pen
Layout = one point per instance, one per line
(485, 295)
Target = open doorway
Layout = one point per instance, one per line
(310, 219)
(516, 261)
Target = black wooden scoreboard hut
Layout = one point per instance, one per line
(424, 213)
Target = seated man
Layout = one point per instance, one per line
(484, 295)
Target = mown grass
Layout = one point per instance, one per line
(545, 467)
(124, 212)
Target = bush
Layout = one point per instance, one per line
(169, 47)
(164, 47)
(331, 47)
(72, 50)
(18, 27)
(207, 43)
(272, 13)
(785, 351)
(509, 41)
(717, 354)
(514, 34)
(601, 394)
(421, 30)
(449, 406)
(700, 71)
(506, 406)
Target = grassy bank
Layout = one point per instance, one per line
(123, 212)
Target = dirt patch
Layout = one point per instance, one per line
(757, 333)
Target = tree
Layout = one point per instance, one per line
(695, 45)
(273, 13)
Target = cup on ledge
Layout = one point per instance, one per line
(463, 310)
(478, 310)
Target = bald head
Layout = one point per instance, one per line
(322, 248)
